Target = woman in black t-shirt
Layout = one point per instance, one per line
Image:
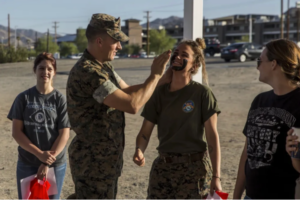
(40, 126)
(186, 116)
(266, 170)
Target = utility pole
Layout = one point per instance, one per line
(15, 37)
(35, 44)
(148, 36)
(250, 28)
(288, 20)
(8, 31)
(55, 27)
(281, 20)
(47, 41)
(298, 24)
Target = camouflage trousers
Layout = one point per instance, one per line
(180, 180)
(95, 188)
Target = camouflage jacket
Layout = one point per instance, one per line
(97, 149)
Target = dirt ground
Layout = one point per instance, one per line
(234, 85)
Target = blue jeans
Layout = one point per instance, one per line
(246, 197)
(24, 170)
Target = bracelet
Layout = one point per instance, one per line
(45, 164)
(217, 177)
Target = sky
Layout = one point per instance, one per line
(39, 15)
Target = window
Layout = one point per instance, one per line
(269, 26)
(236, 28)
(270, 37)
(207, 30)
(233, 38)
(214, 29)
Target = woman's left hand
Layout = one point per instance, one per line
(215, 185)
(42, 172)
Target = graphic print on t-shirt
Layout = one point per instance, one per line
(39, 116)
(188, 106)
(264, 126)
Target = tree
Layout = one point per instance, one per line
(41, 45)
(160, 41)
(81, 40)
(130, 49)
(68, 48)
(245, 38)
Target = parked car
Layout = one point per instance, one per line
(144, 55)
(75, 56)
(212, 46)
(135, 56)
(241, 51)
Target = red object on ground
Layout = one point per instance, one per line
(223, 195)
(39, 191)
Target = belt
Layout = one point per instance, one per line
(188, 158)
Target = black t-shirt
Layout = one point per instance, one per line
(269, 171)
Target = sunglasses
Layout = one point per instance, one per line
(259, 61)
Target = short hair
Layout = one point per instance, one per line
(92, 33)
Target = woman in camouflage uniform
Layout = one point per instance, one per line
(186, 116)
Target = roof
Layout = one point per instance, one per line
(67, 38)
(132, 20)
(243, 16)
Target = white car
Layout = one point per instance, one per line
(75, 56)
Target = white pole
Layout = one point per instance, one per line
(250, 29)
(193, 25)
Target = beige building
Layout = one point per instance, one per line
(133, 30)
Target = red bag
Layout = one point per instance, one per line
(38, 190)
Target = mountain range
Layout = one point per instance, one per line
(27, 36)
(171, 21)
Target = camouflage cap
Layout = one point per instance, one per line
(110, 24)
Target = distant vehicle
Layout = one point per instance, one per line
(212, 46)
(144, 55)
(135, 56)
(75, 56)
(241, 51)
(121, 55)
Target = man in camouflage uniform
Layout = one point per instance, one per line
(97, 99)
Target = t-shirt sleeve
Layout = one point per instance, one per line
(16, 110)
(150, 111)
(62, 114)
(209, 105)
(96, 83)
(252, 107)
